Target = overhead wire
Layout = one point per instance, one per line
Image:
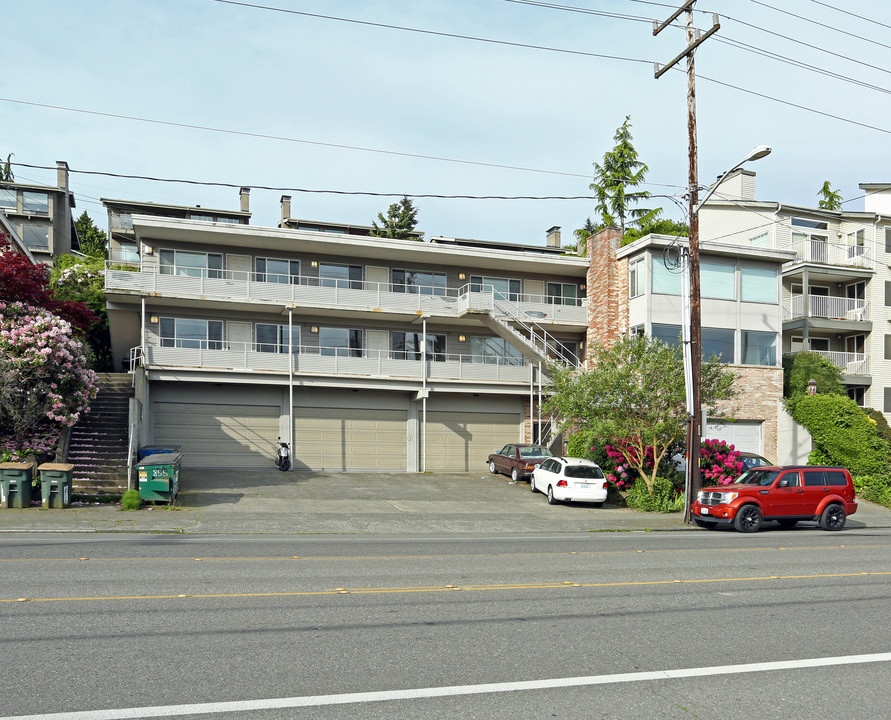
(823, 25)
(846, 12)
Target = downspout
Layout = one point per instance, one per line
(532, 403)
(539, 402)
(291, 383)
(424, 396)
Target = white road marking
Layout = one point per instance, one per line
(163, 711)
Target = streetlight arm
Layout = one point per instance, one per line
(756, 154)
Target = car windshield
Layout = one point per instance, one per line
(588, 472)
(758, 477)
(753, 462)
(534, 452)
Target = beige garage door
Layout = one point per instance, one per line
(214, 435)
(349, 439)
(461, 442)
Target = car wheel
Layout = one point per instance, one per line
(707, 524)
(748, 519)
(787, 524)
(514, 475)
(551, 499)
(532, 487)
(492, 467)
(833, 517)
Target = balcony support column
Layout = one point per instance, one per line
(805, 308)
(290, 434)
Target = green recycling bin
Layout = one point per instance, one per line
(158, 477)
(55, 484)
(15, 484)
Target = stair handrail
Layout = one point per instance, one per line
(535, 331)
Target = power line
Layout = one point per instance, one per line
(848, 12)
(823, 25)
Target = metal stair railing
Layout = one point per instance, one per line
(537, 337)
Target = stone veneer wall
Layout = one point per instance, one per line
(759, 389)
(603, 288)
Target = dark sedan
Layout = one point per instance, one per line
(518, 461)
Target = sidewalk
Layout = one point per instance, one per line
(269, 501)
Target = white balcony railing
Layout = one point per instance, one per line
(233, 356)
(848, 362)
(824, 306)
(314, 291)
(826, 253)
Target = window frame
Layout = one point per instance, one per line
(280, 344)
(178, 340)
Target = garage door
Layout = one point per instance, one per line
(350, 439)
(215, 435)
(743, 435)
(461, 442)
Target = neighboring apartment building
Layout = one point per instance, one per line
(637, 289)
(41, 215)
(374, 354)
(836, 290)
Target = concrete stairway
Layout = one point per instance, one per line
(98, 448)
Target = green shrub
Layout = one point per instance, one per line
(665, 498)
(588, 444)
(882, 426)
(843, 434)
(874, 488)
(130, 500)
(802, 367)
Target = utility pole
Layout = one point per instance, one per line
(694, 347)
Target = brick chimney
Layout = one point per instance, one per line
(602, 286)
(554, 236)
(244, 199)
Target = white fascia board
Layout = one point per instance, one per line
(658, 242)
(154, 229)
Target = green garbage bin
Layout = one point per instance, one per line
(55, 484)
(159, 477)
(15, 484)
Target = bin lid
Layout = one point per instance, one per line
(15, 466)
(160, 459)
(64, 467)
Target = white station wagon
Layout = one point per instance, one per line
(569, 480)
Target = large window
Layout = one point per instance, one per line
(758, 348)
(717, 343)
(8, 198)
(669, 334)
(191, 333)
(494, 350)
(717, 281)
(278, 271)
(418, 282)
(407, 346)
(563, 293)
(274, 338)
(36, 237)
(191, 264)
(343, 342)
(636, 277)
(502, 287)
(35, 202)
(128, 252)
(340, 276)
(758, 285)
(665, 281)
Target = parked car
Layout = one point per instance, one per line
(788, 495)
(518, 461)
(752, 460)
(566, 479)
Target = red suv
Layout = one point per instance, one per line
(784, 494)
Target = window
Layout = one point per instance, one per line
(563, 293)
(407, 346)
(8, 198)
(636, 277)
(717, 281)
(669, 334)
(36, 237)
(758, 285)
(274, 338)
(665, 281)
(418, 282)
(887, 347)
(128, 252)
(759, 348)
(35, 202)
(494, 350)
(637, 330)
(818, 344)
(191, 264)
(191, 333)
(230, 220)
(340, 276)
(271, 270)
(201, 216)
(759, 240)
(814, 246)
(342, 342)
(857, 394)
(501, 287)
(888, 239)
(792, 479)
(811, 224)
(886, 404)
(813, 478)
(567, 351)
(718, 343)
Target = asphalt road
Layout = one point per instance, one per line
(619, 625)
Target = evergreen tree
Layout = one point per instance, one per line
(93, 241)
(6, 170)
(829, 199)
(400, 222)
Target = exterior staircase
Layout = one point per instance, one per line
(99, 442)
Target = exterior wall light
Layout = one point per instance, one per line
(314, 329)
(461, 338)
(314, 264)
(153, 319)
(462, 276)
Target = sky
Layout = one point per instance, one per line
(270, 94)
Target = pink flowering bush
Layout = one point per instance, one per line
(719, 463)
(45, 384)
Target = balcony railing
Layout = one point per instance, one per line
(849, 363)
(315, 291)
(314, 360)
(826, 253)
(824, 306)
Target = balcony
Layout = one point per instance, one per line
(313, 360)
(305, 291)
(849, 363)
(828, 307)
(826, 253)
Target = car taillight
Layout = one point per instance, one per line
(530, 468)
(562, 483)
(604, 486)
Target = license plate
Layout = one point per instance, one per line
(703, 511)
(583, 486)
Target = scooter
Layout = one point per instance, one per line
(283, 456)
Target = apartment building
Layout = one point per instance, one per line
(836, 290)
(637, 289)
(41, 215)
(372, 354)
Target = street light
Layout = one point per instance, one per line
(693, 333)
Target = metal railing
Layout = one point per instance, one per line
(827, 253)
(826, 306)
(848, 362)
